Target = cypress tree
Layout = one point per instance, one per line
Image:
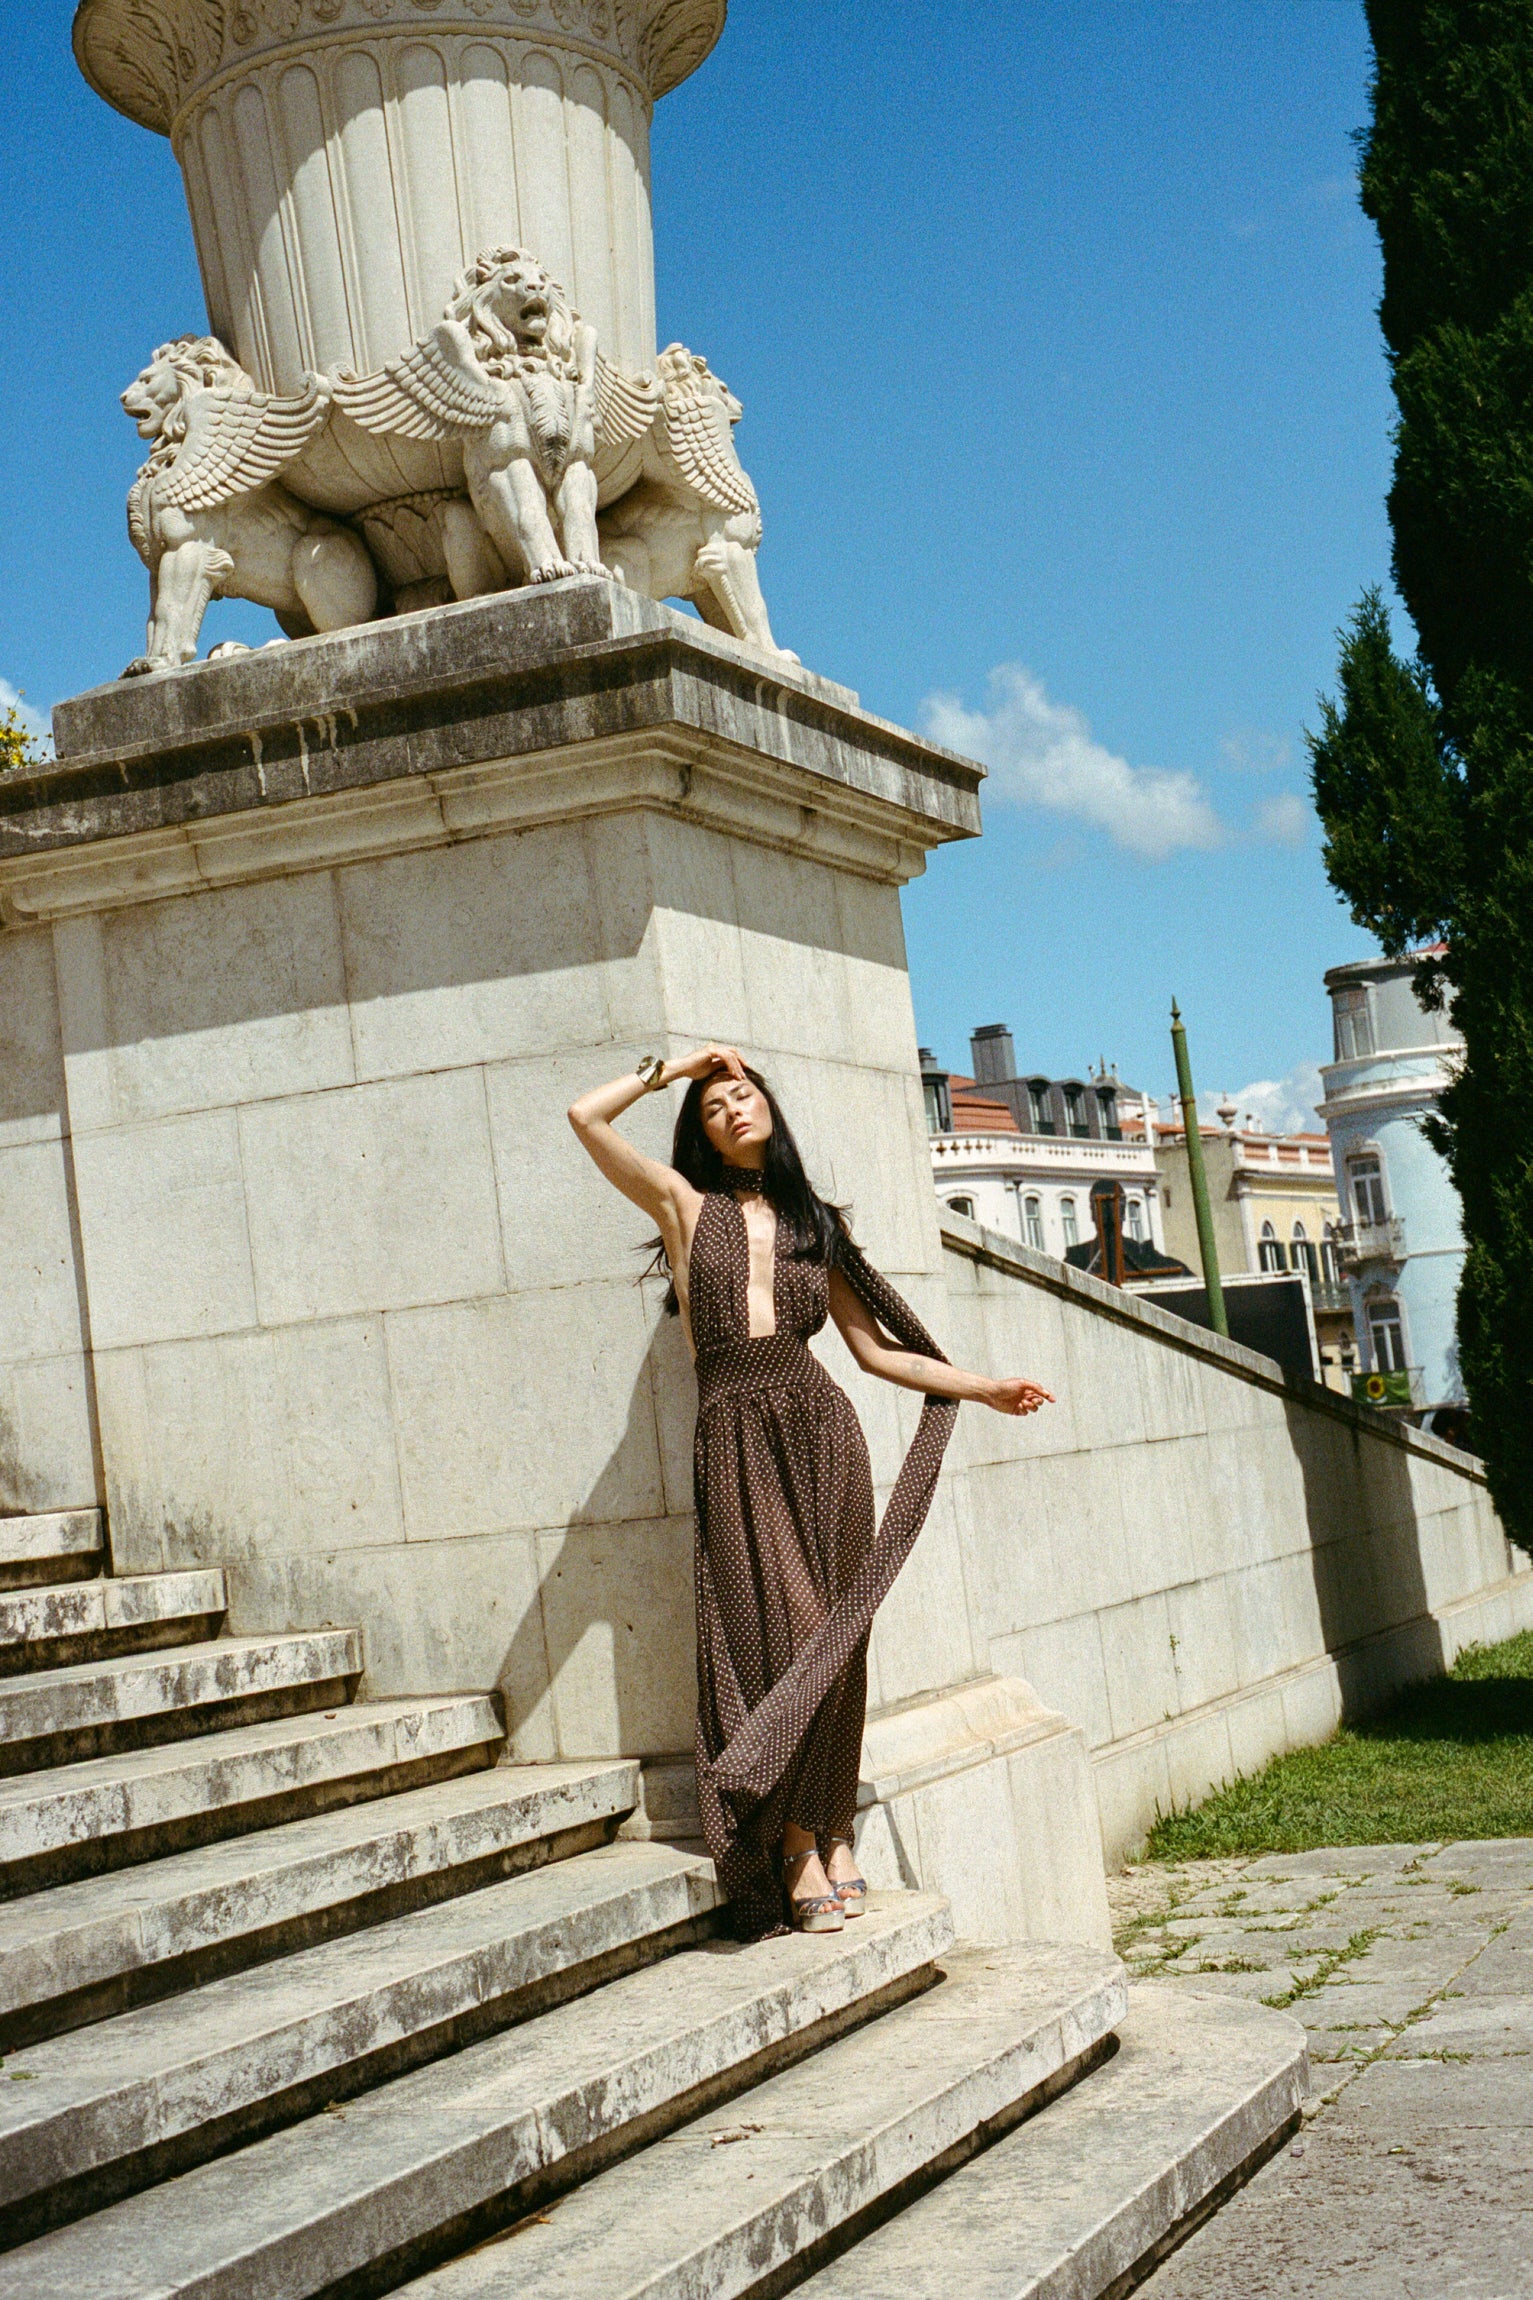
(1423, 771)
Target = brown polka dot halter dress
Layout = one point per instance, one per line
(789, 1569)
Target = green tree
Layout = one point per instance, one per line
(1424, 771)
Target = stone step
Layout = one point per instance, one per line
(1082, 2201)
(59, 1716)
(63, 1545)
(797, 2164)
(77, 1820)
(53, 1625)
(90, 2116)
(87, 1950)
(369, 2193)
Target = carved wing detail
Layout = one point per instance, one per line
(700, 437)
(626, 406)
(436, 390)
(238, 440)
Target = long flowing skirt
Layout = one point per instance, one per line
(789, 1576)
(784, 1521)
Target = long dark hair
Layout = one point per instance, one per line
(809, 1227)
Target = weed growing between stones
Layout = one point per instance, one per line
(1326, 1969)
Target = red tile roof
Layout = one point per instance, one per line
(974, 1113)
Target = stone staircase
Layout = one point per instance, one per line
(310, 1998)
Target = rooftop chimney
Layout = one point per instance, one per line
(994, 1056)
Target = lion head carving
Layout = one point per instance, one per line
(156, 398)
(517, 315)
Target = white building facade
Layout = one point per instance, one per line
(1402, 1243)
(1021, 1154)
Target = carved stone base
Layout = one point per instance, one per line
(982, 1787)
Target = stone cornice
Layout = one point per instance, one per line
(1058, 1161)
(1386, 1094)
(150, 58)
(1360, 1071)
(527, 707)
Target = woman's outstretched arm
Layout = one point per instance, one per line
(876, 1355)
(649, 1182)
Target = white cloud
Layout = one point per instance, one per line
(1281, 1105)
(1283, 820)
(35, 722)
(1041, 753)
(1251, 752)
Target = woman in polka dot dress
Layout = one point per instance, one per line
(789, 1570)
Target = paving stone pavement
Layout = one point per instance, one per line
(1412, 1969)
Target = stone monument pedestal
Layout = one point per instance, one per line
(333, 934)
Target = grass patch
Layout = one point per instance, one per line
(1330, 1964)
(1449, 1758)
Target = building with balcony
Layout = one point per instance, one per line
(1401, 1247)
(1020, 1152)
(1275, 1207)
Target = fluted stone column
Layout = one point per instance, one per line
(345, 159)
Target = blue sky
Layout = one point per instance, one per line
(1054, 323)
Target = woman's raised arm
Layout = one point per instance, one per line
(872, 1350)
(647, 1181)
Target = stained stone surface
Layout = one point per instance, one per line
(58, 1543)
(312, 2205)
(143, 1797)
(750, 2186)
(312, 949)
(1069, 2205)
(1412, 1969)
(488, 681)
(40, 1620)
(102, 1934)
(60, 1706)
(160, 2078)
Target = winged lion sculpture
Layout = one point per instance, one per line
(208, 515)
(569, 467)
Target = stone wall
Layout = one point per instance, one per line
(48, 1456)
(1198, 1563)
(314, 948)
(334, 934)
(368, 1326)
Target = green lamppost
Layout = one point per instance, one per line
(1198, 1177)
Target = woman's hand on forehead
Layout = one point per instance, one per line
(712, 1058)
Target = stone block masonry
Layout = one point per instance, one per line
(1198, 1560)
(306, 954)
(335, 932)
(349, 2020)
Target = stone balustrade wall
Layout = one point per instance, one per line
(1197, 1563)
